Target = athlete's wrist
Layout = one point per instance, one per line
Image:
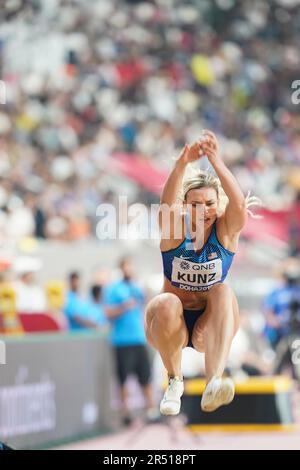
(217, 162)
(180, 163)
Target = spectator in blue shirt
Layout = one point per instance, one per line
(94, 307)
(124, 304)
(76, 308)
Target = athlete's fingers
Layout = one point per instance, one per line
(184, 150)
(194, 152)
(207, 132)
(195, 146)
(210, 153)
(210, 144)
(211, 138)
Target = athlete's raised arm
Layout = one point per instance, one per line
(168, 220)
(235, 215)
(174, 182)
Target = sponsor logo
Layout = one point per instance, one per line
(27, 408)
(184, 265)
(196, 274)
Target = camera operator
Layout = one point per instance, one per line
(283, 317)
(278, 305)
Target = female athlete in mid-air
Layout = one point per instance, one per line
(196, 308)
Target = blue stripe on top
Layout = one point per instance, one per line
(194, 272)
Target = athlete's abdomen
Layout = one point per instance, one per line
(190, 300)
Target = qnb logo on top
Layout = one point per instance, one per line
(184, 265)
(2, 353)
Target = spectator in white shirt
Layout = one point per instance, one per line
(30, 297)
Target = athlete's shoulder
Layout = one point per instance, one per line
(225, 239)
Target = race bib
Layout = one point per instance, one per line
(196, 276)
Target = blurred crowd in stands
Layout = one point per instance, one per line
(87, 80)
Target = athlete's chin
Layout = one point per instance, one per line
(208, 222)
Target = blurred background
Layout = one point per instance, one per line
(97, 99)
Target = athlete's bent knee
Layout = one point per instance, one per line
(167, 308)
(220, 290)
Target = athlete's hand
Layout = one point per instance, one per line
(210, 146)
(190, 153)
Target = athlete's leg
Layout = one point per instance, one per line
(166, 330)
(215, 329)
